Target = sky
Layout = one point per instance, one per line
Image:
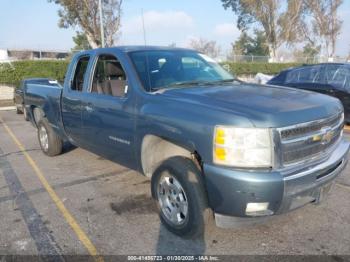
(33, 24)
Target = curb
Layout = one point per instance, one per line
(7, 108)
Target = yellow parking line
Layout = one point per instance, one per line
(66, 214)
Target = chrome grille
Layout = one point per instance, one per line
(310, 140)
(302, 130)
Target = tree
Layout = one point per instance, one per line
(278, 22)
(85, 16)
(325, 23)
(81, 42)
(310, 50)
(243, 45)
(260, 47)
(308, 54)
(205, 46)
(254, 46)
(292, 22)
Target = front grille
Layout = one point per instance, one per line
(302, 130)
(310, 140)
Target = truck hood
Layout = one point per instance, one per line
(264, 106)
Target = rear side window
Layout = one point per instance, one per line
(79, 74)
(339, 78)
(310, 74)
(330, 71)
(109, 77)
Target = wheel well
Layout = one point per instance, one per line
(155, 150)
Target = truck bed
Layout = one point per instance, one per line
(47, 98)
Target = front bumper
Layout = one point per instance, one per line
(229, 190)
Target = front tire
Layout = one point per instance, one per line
(51, 144)
(182, 202)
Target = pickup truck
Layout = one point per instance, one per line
(213, 146)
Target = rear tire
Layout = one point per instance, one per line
(25, 113)
(51, 144)
(182, 201)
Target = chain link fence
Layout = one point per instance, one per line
(281, 59)
(9, 54)
(13, 54)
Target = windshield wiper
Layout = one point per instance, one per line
(180, 84)
(231, 80)
(188, 83)
(196, 83)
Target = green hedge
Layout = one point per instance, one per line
(16, 71)
(241, 69)
(57, 69)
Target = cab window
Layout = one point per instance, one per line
(79, 75)
(309, 74)
(339, 78)
(109, 77)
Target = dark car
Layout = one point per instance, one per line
(331, 79)
(19, 91)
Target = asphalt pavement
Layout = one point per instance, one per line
(80, 203)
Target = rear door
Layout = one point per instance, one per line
(71, 99)
(108, 111)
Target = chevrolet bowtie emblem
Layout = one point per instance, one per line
(327, 136)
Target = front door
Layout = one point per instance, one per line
(108, 112)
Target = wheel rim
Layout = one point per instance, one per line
(44, 140)
(172, 200)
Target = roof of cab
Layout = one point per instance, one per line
(148, 48)
(132, 48)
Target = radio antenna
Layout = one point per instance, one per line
(143, 27)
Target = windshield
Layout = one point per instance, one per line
(174, 68)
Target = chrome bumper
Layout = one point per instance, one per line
(313, 184)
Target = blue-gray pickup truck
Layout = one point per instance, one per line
(211, 145)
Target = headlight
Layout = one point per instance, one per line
(242, 147)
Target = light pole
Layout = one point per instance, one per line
(101, 24)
